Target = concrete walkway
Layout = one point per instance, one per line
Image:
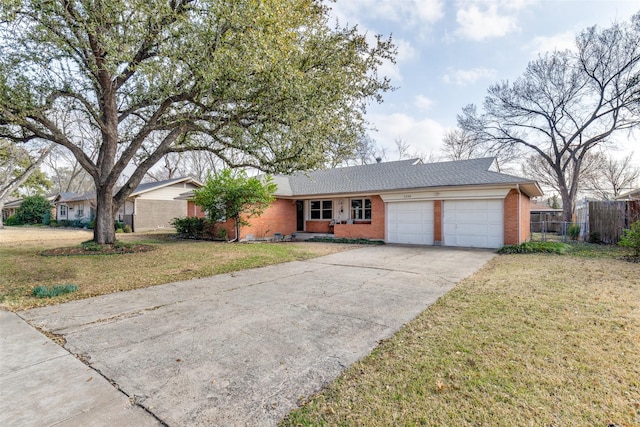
(42, 384)
(235, 349)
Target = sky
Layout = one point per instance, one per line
(451, 51)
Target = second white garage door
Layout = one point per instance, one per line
(410, 223)
(473, 223)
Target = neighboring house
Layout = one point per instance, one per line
(151, 206)
(461, 203)
(79, 207)
(630, 195)
(11, 208)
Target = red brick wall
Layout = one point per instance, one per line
(194, 211)
(316, 226)
(512, 202)
(375, 230)
(437, 222)
(230, 226)
(525, 218)
(280, 217)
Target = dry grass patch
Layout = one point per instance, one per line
(529, 341)
(23, 267)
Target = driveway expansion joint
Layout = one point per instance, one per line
(252, 355)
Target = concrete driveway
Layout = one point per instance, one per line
(245, 348)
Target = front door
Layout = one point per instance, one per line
(299, 215)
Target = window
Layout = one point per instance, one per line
(63, 210)
(321, 209)
(80, 211)
(361, 208)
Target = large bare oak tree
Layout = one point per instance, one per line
(566, 104)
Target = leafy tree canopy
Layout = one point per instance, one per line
(265, 84)
(33, 209)
(237, 197)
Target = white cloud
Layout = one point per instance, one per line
(408, 12)
(559, 42)
(468, 77)
(476, 23)
(406, 53)
(422, 102)
(423, 135)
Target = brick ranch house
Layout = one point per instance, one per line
(458, 203)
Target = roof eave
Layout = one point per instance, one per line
(167, 184)
(530, 188)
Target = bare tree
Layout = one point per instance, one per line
(614, 177)
(459, 144)
(201, 164)
(566, 104)
(66, 173)
(536, 167)
(168, 168)
(403, 148)
(366, 151)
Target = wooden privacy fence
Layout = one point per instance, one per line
(609, 218)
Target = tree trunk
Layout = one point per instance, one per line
(104, 232)
(567, 205)
(237, 226)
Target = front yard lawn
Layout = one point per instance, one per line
(530, 340)
(23, 267)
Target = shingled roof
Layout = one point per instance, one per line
(140, 189)
(400, 175)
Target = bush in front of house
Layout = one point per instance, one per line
(33, 209)
(631, 239)
(190, 227)
(12, 220)
(535, 247)
(199, 228)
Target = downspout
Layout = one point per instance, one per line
(519, 216)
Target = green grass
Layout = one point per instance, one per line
(529, 340)
(593, 250)
(23, 268)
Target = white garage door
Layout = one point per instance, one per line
(473, 223)
(410, 222)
